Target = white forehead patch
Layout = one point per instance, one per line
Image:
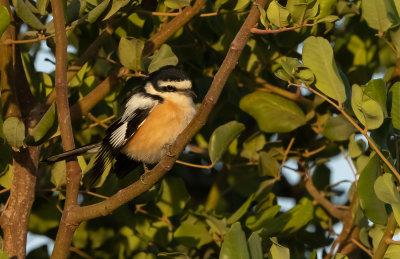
(180, 85)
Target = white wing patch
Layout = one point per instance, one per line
(181, 85)
(117, 138)
(137, 101)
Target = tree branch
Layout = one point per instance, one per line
(73, 172)
(79, 214)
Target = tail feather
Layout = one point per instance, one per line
(72, 153)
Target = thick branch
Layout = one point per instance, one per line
(65, 231)
(79, 214)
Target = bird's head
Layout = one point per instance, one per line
(170, 82)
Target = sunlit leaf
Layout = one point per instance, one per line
(255, 246)
(176, 4)
(376, 14)
(278, 251)
(338, 128)
(45, 128)
(277, 14)
(273, 112)
(95, 13)
(251, 147)
(5, 19)
(318, 56)
(162, 57)
(368, 111)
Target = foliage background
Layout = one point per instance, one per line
(263, 122)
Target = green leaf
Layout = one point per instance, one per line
(241, 211)
(273, 113)
(6, 176)
(115, 7)
(338, 128)
(340, 256)
(356, 148)
(176, 4)
(269, 165)
(42, 6)
(262, 220)
(251, 147)
(234, 245)
(277, 14)
(386, 190)
(81, 236)
(46, 127)
(329, 18)
(395, 37)
(192, 234)
(373, 207)
(376, 89)
(26, 15)
(174, 196)
(278, 251)
(318, 56)
(222, 137)
(255, 246)
(143, 255)
(4, 255)
(368, 111)
(43, 218)
(5, 19)
(14, 131)
(395, 111)
(162, 57)
(297, 10)
(376, 14)
(393, 252)
(95, 13)
(58, 174)
(130, 53)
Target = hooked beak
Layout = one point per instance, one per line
(191, 93)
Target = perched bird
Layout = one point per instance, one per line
(151, 121)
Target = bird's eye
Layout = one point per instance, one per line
(169, 88)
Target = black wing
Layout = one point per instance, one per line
(117, 135)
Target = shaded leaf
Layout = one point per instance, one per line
(58, 174)
(176, 4)
(395, 111)
(14, 131)
(174, 196)
(241, 211)
(115, 7)
(268, 164)
(263, 219)
(26, 14)
(273, 113)
(192, 234)
(318, 56)
(234, 245)
(45, 128)
(251, 147)
(373, 207)
(130, 53)
(255, 246)
(222, 137)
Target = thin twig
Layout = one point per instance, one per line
(95, 194)
(99, 122)
(285, 155)
(102, 121)
(39, 38)
(80, 252)
(195, 166)
(350, 163)
(315, 151)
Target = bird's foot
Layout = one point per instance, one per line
(146, 172)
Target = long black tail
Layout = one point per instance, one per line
(73, 152)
